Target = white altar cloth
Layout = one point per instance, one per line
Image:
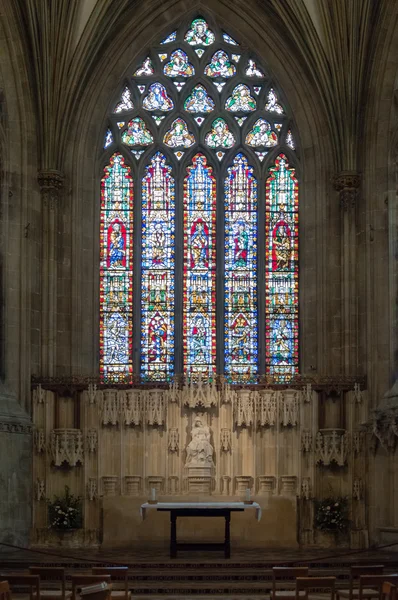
(201, 505)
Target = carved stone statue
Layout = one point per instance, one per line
(199, 449)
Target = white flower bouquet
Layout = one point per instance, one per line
(65, 512)
(331, 514)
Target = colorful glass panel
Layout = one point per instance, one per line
(199, 34)
(108, 138)
(125, 102)
(157, 98)
(272, 103)
(281, 271)
(199, 301)
(199, 101)
(220, 65)
(290, 140)
(227, 38)
(179, 65)
(219, 135)
(157, 292)
(252, 70)
(240, 100)
(116, 272)
(145, 69)
(170, 38)
(261, 135)
(137, 133)
(240, 272)
(178, 135)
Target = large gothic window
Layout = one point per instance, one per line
(199, 218)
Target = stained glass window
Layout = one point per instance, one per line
(199, 299)
(240, 272)
(206, 137)
(116, 272)
(199, 101)
(219, 135)
(281, 271)
(240, 100)
(157, 304)
(179, 65)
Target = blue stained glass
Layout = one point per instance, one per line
(199, 312)
(240, 272)
(157, 303)
(170, 38)
(116, 271)
(281, 271)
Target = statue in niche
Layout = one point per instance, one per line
(199, 449)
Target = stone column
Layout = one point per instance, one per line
(51, 186)
(347, 184)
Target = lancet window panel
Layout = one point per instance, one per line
(203, 136)
(116, 272)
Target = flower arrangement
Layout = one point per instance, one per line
(65, 512)
(331, 514)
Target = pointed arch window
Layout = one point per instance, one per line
(203, 136)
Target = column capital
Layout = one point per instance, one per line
(51, 183)
(347, 184)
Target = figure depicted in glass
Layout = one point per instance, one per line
(261, 135)
(220, 66)
(157, 98)
(199, 34)
(137, 133)
(199, 101)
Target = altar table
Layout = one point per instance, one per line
(200, 509)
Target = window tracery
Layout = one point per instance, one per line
(206, 138)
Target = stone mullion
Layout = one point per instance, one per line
(51, 184)
(347, 184)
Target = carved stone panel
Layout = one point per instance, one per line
(92, 489)
(110, 485)
(155, 407)
(66, 447)
(174, 439)
(244, 409)
(290, 408)
(288, 484)
(40, 490)
(225, 440)
(39, 437)
(92, 440)
(332, 446)
(243, 483)
(267, 407)
(266, 484)
(132, 485)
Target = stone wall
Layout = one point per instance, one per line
(287, 445)
(15, 473)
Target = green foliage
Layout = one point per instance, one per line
(65, 512)
(331, 514)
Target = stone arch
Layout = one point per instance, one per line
(259, 31)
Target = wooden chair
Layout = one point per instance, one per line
(305, 584)
(54, 576)
(79, 581)
(356, 571)
(284, 574)
(97, 591)
(118, 575)
(5, 593)
(389, 591)
(375, 582)
(22, 580)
